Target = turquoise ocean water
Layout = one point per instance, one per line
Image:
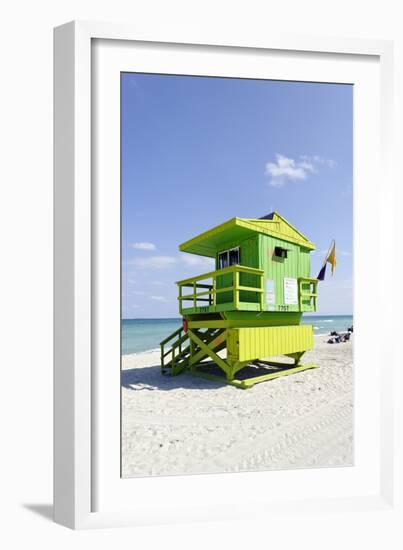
(145, 334)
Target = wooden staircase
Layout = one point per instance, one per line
(182, 352)
(176, 358)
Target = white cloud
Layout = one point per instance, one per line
(163, 262)
(316, 159)
(143, 246)
(153, 262)
(160, 299)
(286, 169)
(193, 260)
(136, 293)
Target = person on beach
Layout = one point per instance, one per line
(338, 338)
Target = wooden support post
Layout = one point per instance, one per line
(191, 353)
(208, 349)
(236, 289)
(173, 360)
(180, 298)
(296, 356)
(262, 294)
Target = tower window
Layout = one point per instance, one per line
(280, 252)
(228, 258)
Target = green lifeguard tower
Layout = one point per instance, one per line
(249, 308)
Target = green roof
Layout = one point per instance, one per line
(238, 229)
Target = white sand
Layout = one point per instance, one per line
(184, 424)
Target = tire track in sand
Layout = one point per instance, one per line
(307, 441)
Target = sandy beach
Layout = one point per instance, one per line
(187, 425)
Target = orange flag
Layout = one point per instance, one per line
(331, 259)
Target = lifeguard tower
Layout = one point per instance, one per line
(249, 308)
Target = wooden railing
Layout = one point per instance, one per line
(210, 291)
(307, 290)
(175, 348)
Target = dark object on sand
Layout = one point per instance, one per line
(350, 329)
(339, 338)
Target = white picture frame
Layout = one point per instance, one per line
(88, 491)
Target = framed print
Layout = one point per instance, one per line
(220, 237)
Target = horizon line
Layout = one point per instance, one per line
(176, 318)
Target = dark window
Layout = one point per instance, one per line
(228, 257)
(234, 256)
(223, 260)
(280, 252)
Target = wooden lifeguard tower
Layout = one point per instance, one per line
(250, 306)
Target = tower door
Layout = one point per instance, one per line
(226, 258)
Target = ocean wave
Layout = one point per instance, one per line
(153, 350)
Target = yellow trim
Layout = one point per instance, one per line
(267, 227)
(250, 382)
(261, 225)
(207, 234)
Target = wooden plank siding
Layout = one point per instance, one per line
(248, 344)
(297, 264)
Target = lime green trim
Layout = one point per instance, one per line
(265, 318)
(275, 229)
(219, 272)
(219, 308)
(209, 295)
(307, 297)
(215, 342)
(250, 382)
(209, 349)
(179, 355)
(208, 244)
(171, 336)
(282, 223)
(240, 323)
(184, 247)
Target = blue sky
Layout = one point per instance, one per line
(197, 151)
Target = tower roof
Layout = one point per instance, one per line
(215, 239)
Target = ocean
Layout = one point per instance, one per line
(146, 334)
